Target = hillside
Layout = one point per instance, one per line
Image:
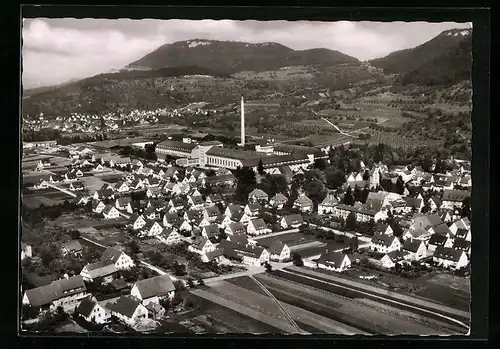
(453, 66)
(231, 57)
(406, 61)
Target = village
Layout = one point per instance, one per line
(144, 232)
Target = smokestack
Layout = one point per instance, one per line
(242, 122)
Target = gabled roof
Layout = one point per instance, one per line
(111, 254)
(303, 201)
(396, 256)
(461, 244)
(383, 239)
(124, 200)
(86, 306)
(155, 286)
(237, 227)
(211, 229)
(199, 242)
(258, 193)
(192, 214)
(125, 305)
(212, 211)
(412, 246)
(73, 246)
(197, 200)
(294, 219)
(455, 195)
(461, 233)
(329, 201)
(331, 258)
(441, 229)
(258, 223)
(276, 247)
(215, 198)
(448, 253)
(438, 240)
(240, 239)
(234, 209)
(254, 207)
(57, 289)
(211, 255)
(101, 268)
(279, 198)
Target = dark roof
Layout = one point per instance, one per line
(448, 253)
(303, 200)
(276, 247)
(168, 144)
(111, 254)
(279, 198)
(221, 178)
(199, 242)
(237, 227)
(125, 305)
(211, 229)
(214, 254)
(155, 286)
(329, 201)
(461, 233)
(234, 209)
(455, 195)
(101, 268)
(396, 256)
(412, 246)
(294, 219)
(441, 229)
(119, 284)
(258, 193)
(461, 244)
(240, 239)
(383, 239)
(86, 306)
(258, 223)
(331, 258)
(57, 289)
(212, 211)
(437, 239)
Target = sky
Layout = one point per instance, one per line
(55, 51)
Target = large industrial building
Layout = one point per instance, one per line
(214, 154)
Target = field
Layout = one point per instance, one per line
(447, 289)
(291, 239)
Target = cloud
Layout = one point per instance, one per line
(57, 50)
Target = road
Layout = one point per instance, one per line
(61, 189)
(257, 238)
(363, 238)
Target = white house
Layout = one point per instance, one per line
(257, 195)
(128, 309)
(279, 200)
(235, 228)
(104, 270)
(153, 289)
(170, 236)
(92, 311)
(390, 259)
(292, 221)
(26, 251)
(137, 221)
(98, 206)
(327, 205)
(385, 243)
(110, 212)
(416, 249)
(152, 228)
(303, 203)
(449, 257)
(336, 261)
(201, 245)
(278, 251)
(120, 259)
(257, 226)
(122, 187)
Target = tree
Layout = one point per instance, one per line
(47, 257)
(348, 197)
(399, 187)
(315, 190)
(354, 244)
(179, 269)
(366, 175)
(466, 207)
(268, 267)
(334, 177)
(350, 222)
(260, 167)
(190, 282)
(297, 260)
(177, 299)
(357, 194)
(75, 234)
(364, 194)
(319, 164)
(132, 248)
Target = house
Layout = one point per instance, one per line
(303, 203)
(150, 213)
(385, 243)
(291, 221)
(119, 258)
(279, 200)
(243, 218)
(421, 224)
(463, 223)
(137, 221)
(64, 292)
(185, 226)
(128, 309)
(177, 203)
(463, 234)
(416, 249)
(76, 186)
(210, 231)
(383, 228)
(462, 245)
(327, 205)
(72, 247)
(153, 192)
(453, 198)
(104, 270)
(336, 261)
(216, 256)
(257, 195)
(257, 226)
(180, 189)
(213, 199)
(241, 239)
(434, 203)
(153, 289)
(170, 236)
(438, 240)
(110, 212)
(90, 310)
(450, 258)
(249, 254)
(98, 206)
(122, 187)
(152, 228)
(252, 209)
(98, 168)
(211, 213)
(171, 220)
(233, 210)
(390, 259)
(195, 202)
(235, 228)
(191, 215)
(441, 229)
(26, 251)
(201, 245)
(278, 251)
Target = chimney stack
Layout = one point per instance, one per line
(242, 122)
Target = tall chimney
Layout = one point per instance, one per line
(242, 122)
